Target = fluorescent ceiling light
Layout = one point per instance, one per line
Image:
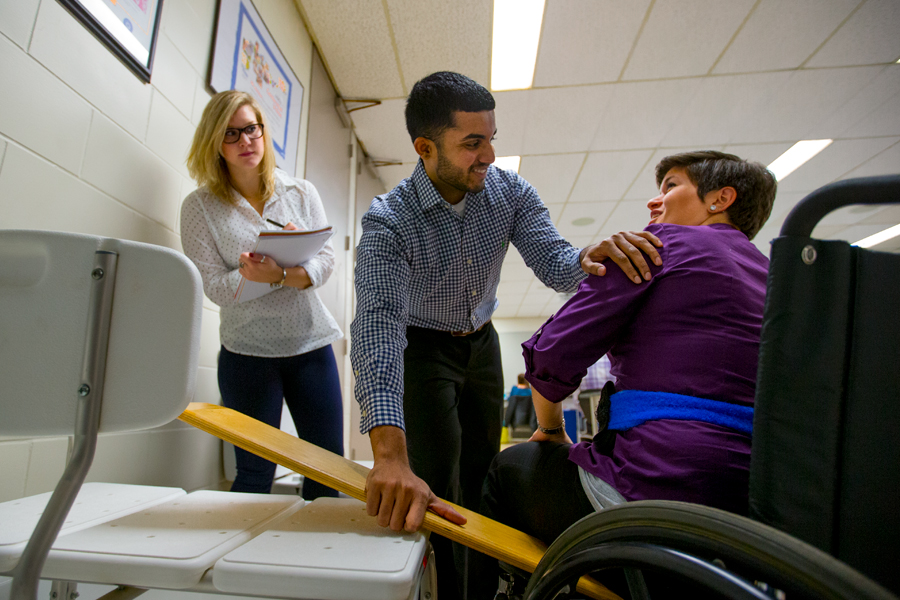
(517, 30)
(508, 163)
(877, 238)
(795, 156)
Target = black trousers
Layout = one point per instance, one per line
(453, 408)
(535, 488)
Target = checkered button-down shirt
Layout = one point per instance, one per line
(420, 263)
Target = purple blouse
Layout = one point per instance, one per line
(693, 329)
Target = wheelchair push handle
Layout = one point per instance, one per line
(802, 219)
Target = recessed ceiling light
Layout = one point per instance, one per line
(508, 163)
(582, 221)
(795, 156)
(514, 45)
(877, 238)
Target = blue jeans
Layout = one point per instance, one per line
(309, 384)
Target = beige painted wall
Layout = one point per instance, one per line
(86, 147)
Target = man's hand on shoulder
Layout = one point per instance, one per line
(394, 494)
(626, 249)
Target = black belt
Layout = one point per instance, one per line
(465, 333)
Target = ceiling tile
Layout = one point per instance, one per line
(889, 215)
(884, 120)
(606, 176)
(532, 311)
(516, 273)
(827, 232)
(505, 311)
(429, 38)
(685, 37)
(722, 109)
(782, 34)
(835, 160)
(583, 241)
(356, 45)
(539, 293)
(784, 203)
(854, 233)
(515, 269)
(552, 175)
(511, 287)
(850, 215)
(884, 163)
(630, 215)
(586, 41)
(874, 110)
(804, 103)
(511, 114)
(554, 305)
(870, 36)
(597, 211)
(563, 119)
(555, 211)
(761, 153)
(639, 115)
(382, 129)
(507, 295)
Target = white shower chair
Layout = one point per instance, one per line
(100, 335)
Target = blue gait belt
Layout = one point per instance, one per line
(630, 408)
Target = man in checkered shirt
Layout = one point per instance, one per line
(425, 355)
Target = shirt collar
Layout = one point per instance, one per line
(428, 194)
(282, 182)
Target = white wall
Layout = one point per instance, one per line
(368, 185)
(512, 332)
(328, 168)
(86, 147)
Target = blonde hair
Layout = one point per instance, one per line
(205, 162)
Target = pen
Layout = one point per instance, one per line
(275, 223)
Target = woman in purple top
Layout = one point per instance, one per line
(683, 349)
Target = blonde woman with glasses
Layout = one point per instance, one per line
(276, 346)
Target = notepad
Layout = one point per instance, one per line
(289, 249)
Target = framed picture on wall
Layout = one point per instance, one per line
(246, 58)
(127, 27)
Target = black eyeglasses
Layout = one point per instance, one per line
(253, 131)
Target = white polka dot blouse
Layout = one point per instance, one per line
(214, 233)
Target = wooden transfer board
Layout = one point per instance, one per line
(480, 533)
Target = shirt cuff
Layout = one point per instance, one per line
(315, 273)
(381, 409)
(551, 389)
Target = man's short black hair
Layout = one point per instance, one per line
(432, 101)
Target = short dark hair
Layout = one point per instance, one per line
(522, 378)
(432, 101)
(710, 170)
